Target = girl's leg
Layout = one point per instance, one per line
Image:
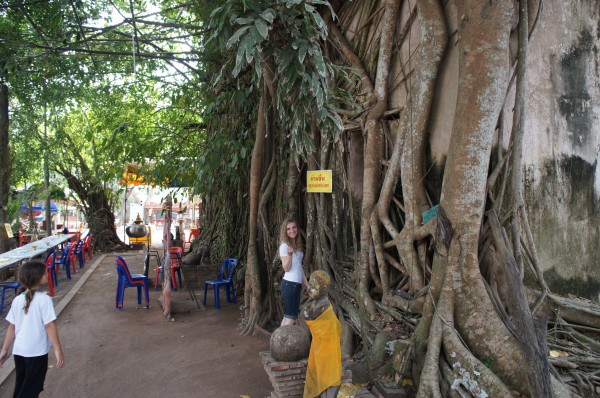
(19, 374)
(35, 375)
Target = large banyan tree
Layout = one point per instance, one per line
(418, 107)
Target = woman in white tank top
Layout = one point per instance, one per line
(290, 252)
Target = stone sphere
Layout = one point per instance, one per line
(290, 343)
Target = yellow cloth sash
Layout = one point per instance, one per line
(325, 358)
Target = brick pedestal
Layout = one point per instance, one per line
(287, 378)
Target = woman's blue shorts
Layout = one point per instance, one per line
(290, 293)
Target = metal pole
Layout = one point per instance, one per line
(47, 214)
(124, 214)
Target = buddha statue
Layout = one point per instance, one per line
(324, 370)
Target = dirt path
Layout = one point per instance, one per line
(136, 352)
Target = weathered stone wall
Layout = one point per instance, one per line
(562, 145)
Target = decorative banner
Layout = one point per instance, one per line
(131, 175)
(319, 181)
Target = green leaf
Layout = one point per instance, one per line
(302, 50)
(243, 21)
(236, 36)
(320, 97)
(320, 24)
(319, 63)
(249, 46)
(262, 27)
(314, 84)
(239, 61)
(216, 11)
(283, 59)
(268, 15)
(234, 161)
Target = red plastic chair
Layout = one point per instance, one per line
(127, 279)
(73, 257)
(87, 246)
(175, 254)
(194, 234)
(51, 271)
(23, 239)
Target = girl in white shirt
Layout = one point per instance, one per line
(290, 252)
(33, 330)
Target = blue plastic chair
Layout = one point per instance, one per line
(127, 279)
(64, 260)
(8, 286)
(225, 279)
(79, 253)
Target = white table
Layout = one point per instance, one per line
(33, 249)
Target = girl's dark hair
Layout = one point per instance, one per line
(30, 275)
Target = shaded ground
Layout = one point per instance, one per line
(136, 352)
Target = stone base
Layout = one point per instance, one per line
(287, 378)
(388, 389)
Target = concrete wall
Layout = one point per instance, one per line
(562, 145)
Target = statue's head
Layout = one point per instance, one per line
(318, 284)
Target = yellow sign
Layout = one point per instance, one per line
(319, 181)
(8, 230)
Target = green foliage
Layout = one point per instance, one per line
(99, 113)
(285, 36)
(488, 361)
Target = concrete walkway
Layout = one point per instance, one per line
(136, 352)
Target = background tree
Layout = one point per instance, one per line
(65, 66)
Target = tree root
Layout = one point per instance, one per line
(248, 328)
(414, 306)
(469, 372)
(575, 311)
(374, 362)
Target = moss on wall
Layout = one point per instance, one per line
(575, 103)
(566, 222)
(576, 285)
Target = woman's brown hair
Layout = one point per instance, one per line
(295, 244)
(30, 276)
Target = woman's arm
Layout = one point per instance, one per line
(8, 340)
(286, 261)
